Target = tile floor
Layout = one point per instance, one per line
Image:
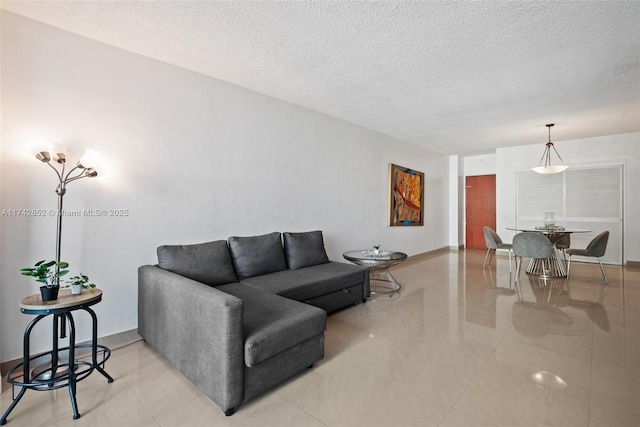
(459, 346)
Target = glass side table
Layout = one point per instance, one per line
(59, 367)
(381, 280)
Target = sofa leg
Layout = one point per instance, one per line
(230, 412)
(364, 300)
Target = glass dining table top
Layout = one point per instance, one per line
(549, 230)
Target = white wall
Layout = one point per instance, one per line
(1, 257)
(457, 201)
(621, 149)
(484, 164)
(192, 158)
(454, 203)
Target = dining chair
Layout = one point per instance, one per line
(563, 242)
(532, 245)
(494, 242)
(595, 249)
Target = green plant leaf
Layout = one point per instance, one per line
(42, 271)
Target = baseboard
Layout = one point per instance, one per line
(113, 342)
(121, 339)
(634, 264)
(423, 256)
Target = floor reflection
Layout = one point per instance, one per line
(595, 309)
(481, 303)
(548, 306)
(491, 281)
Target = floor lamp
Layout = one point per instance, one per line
(83, 169)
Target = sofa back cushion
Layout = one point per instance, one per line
(304, 249)
(256, 255)
(209, 263)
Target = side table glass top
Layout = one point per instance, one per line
(368, 254)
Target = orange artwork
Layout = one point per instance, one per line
(407, 192)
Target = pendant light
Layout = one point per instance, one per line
(548, 168)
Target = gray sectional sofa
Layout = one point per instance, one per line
(238, 317)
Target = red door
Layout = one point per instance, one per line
(480, 208)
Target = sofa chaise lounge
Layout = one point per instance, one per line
(238, 317)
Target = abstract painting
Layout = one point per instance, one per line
(406, 207)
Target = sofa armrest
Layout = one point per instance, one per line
(197, 328)
(366, 286)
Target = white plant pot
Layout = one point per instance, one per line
(76, 289)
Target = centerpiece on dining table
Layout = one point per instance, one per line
(549, 223)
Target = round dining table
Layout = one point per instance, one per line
(554, 234)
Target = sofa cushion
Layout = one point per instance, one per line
(307, 283)
(304, 249)
(257, 255)
(272, 324)
(208, 263)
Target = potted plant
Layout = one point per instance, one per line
(49, 273)
(78, 283)
(376, 248)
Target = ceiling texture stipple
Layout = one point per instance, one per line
(454, 77)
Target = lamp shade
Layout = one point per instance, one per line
(43, 156)
(58, 152)
(90, 159)
(550, 169)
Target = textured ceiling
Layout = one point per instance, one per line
(456, 77)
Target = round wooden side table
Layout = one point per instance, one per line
(49, 371)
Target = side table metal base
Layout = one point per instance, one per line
(382, 282)
(380, 279)
(82, 369)
(63, 367)
(44, 372)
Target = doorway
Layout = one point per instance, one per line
(480, 193)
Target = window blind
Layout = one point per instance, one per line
(586, 197)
